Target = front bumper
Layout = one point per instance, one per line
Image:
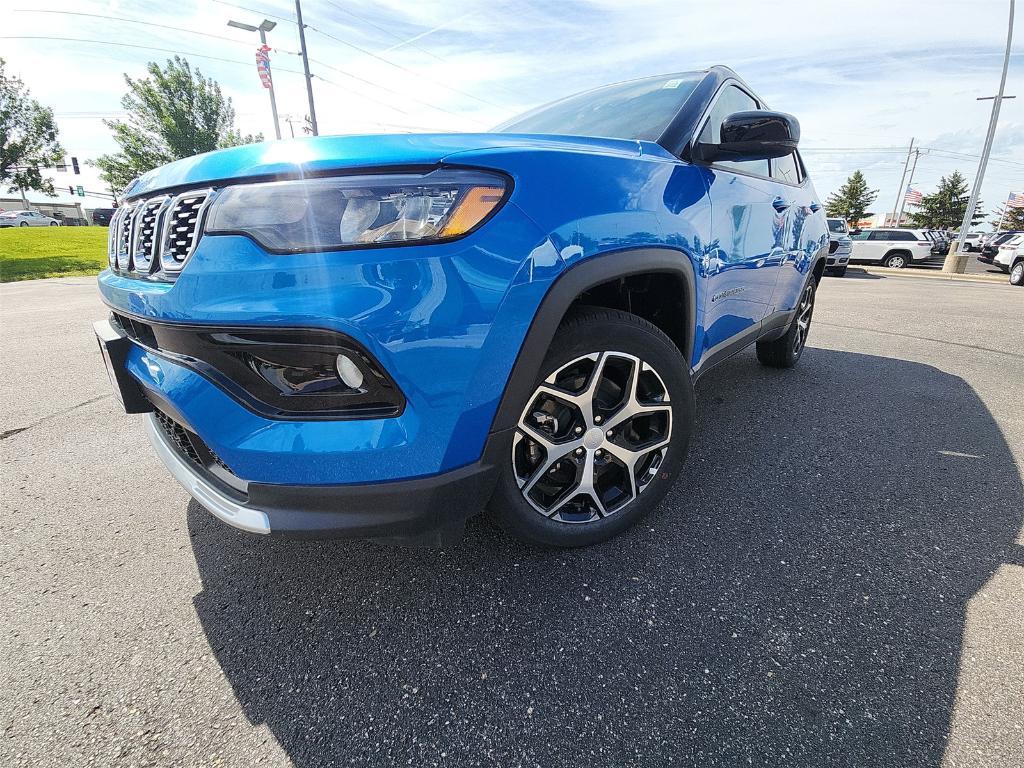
(429, 510)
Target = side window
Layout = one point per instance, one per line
(903, 235)
(879, 234)
(731, 99)
(785, 169)
(860, 236)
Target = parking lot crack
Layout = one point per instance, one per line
(17, 430)
(925, 338)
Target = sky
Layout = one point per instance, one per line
(863, 78)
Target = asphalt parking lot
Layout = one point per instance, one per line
(836, 579)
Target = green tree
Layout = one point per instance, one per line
(1012, 218)
(28, 137)
(173, 113)
(945, 208)
(852, 200)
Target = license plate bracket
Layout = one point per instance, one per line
(114, 348)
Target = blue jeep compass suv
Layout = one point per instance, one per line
(382, 335)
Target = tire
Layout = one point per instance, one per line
(23, 224)
(841, 272)
(541, 495)
(897, 260)
(1017, 273)
(785, 351)
(53, 224)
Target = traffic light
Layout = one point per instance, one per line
(71, 190)
(74, 164)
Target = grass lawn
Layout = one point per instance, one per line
(28, 253)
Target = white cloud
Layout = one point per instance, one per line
(870, 76)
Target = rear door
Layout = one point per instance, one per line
(806, 221)
(750, 221)
(877, 244)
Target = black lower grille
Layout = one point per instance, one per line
(178, 435)
(192, 447)
(833, 246)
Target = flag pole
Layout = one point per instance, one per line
(1002, 215)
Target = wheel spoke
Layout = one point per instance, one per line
(641, 394)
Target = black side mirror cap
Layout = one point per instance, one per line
(753, 135)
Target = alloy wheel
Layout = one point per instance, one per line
(1017, 273)
(897, 262)
(804, 311)
(592, 437)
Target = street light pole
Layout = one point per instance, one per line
(265, 26)
(955, 260)
(305, 66)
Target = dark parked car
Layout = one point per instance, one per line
(991, 248)
(102, 216)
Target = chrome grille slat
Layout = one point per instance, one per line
(146, 235)
(157, 235)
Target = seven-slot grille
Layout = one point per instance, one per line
(157, 235)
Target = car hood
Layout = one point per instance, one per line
(296, 157)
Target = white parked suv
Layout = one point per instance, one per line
(894, 248)
(1010, 258)
(26, 219)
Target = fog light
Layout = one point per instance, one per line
(349, 372)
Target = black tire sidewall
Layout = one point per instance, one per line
(587, 332)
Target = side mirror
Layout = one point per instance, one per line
(753, 135)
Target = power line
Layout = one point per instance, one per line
(357, 93)
(385, 30)
(145, 23)
(389, 90)
(404, 69)
(144, 47)
(253, 10)
(411, 41)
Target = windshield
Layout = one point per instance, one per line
(638, 109)
(837, 225)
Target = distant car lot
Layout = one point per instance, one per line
(869, 610)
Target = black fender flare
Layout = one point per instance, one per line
(564, 291)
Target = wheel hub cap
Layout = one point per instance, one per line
(592, 437)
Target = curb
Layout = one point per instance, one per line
(931, 274)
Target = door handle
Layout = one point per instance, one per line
(779, 204)
(815, 207)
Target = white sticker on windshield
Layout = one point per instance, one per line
(673, 83)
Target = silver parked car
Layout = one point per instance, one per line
(26, 219)
(895, 248)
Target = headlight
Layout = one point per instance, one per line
(357, 211)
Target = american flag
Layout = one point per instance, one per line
(1015, 200)
(913, 196)
(263, 65)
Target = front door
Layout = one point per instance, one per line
(750, 221)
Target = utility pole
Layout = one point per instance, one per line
(955, 260)
(910, 182)
(901, 194)
(305, 66)
(265, 26)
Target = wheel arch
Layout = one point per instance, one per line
(579, 281)
(902, 251)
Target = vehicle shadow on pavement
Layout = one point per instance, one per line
(799, 597)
